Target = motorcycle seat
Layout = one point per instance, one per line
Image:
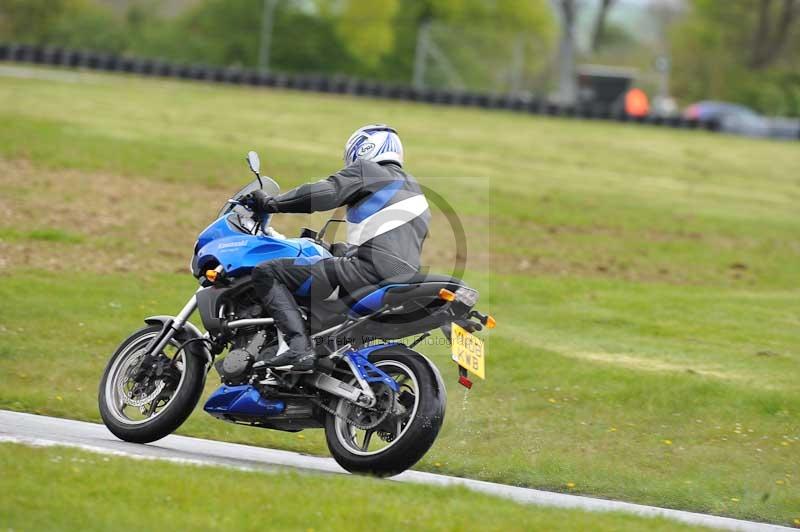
(420, 277)
(394, 289)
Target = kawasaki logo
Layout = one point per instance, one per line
(237, 244)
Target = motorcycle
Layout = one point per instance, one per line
(380, 402)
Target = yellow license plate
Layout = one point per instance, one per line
(467, 350)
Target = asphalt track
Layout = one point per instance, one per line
(48, 431)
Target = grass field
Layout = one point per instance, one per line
(644, 280)
(65, 489)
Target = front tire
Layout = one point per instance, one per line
(170, 401)
(407, 437)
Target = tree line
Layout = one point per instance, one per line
(737, 50)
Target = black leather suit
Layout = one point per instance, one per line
(387, 222)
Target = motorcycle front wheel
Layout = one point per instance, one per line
(399, 430)
(145, 410)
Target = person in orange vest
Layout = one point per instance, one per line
(636, 103)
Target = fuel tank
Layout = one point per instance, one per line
(239, 252)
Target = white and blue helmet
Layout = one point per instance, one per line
(375, 142)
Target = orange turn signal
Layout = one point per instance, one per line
(447, 295)
(490, 322)
(212, 275)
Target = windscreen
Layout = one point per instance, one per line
(270, 187)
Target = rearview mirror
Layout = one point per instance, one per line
(324, 229)
(254, 162)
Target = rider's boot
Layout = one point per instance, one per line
(283, 308)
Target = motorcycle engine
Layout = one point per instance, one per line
(235, 367)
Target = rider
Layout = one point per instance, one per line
(387, 222)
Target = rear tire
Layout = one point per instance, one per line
(415, 438)
(163, 422)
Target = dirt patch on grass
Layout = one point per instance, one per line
(662, 366)
(102, 222)
(120, 224)
(653, 365)
(631, 252)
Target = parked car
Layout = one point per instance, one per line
(741, 120)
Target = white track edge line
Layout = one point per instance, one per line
(515, 493)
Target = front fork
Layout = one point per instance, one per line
(172, 327)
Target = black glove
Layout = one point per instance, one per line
(259, 202)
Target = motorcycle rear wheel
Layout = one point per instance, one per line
(164, 406)
(399, 441)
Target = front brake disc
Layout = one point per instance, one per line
(134, 397)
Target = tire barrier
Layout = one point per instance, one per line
(335, 84)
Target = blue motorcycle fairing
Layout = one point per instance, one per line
(371, 302)
(309, 248)
(239, 252)
(243, 400)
